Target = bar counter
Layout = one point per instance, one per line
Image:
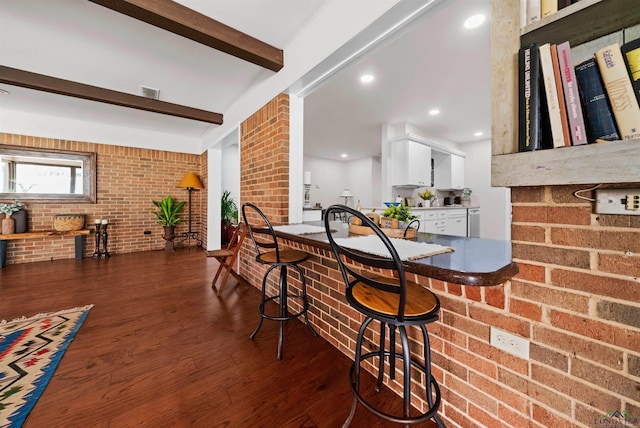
(474, 261)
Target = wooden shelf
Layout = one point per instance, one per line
(43, 234)
(583, 21)
(606, 163)
(611, 162)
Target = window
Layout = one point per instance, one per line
(29, 173)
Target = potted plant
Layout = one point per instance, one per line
(400, 213)
(9, 223)
(228, 216)
(168, 214)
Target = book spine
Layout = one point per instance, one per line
(619, 90)
(553, 108)
(533, 11)
(631, 55)
(600, 122)
(531, 123)
(571, 95)
(547, 7)
(566, 136)
(525, 107)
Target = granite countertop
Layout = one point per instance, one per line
(475, 261)
(444, 207)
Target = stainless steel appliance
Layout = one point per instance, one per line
(473, 222)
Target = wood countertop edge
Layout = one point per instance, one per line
(484, 279)
(43, 233)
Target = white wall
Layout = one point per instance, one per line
(329, 178)
(230, 169)
(494, 202)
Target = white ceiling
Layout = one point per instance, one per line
(437, 64)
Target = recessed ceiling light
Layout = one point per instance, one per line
(344, 155)
(366, 78)
(474, 21)
(434, 111)
(478, 134)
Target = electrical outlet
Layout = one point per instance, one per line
(618, 201)
(510, 343)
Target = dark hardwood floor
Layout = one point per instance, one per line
(160, 349)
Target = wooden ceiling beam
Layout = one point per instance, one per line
(180, 20)
(41, 82)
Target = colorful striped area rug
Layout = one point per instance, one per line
(30, 350)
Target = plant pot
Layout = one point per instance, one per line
(21, 221)
(231, 229)
(8, 225)
(227, 230)
(169, 235)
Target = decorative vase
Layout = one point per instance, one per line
(21, 221)
(169, 236)
(8, 225)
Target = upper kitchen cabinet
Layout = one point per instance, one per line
(448, 170)
(411, 162)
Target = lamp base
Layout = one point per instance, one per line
(188, 236)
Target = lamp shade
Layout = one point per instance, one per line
(191, 181)
(346, 194)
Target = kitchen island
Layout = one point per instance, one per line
(474, 261)
(470, 282)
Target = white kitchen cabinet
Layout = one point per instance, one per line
(448, 170)
(311, 215)
(411, 164)
(434, 221)
(443, 221)
(457, 222)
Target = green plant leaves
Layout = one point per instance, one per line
(168, 211)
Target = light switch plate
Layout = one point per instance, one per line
(618, 201)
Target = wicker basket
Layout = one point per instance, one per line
(391, 233)
(67, 222)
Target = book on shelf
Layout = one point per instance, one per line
(571, 95)
(533, 11)
(566, 136)
(548, 7)
(551, 92)
(617, 84)
(595, 104)
(533, 121)
(631, 56)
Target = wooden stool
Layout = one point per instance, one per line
(227, 257)
(396, 304)
(264, 237)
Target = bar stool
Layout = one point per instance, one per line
(264, 237)
(396, 304)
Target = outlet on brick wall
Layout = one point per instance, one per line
(510, 343)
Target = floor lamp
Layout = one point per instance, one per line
(191, 181)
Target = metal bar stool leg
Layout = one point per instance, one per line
(392, 351)
(428, 376)
(383, 332)
(305, 301)
(406, 357)
(283, 312)
(262, 302)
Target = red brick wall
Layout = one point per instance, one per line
(128, 179)
(576, 298)
(264, 171)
